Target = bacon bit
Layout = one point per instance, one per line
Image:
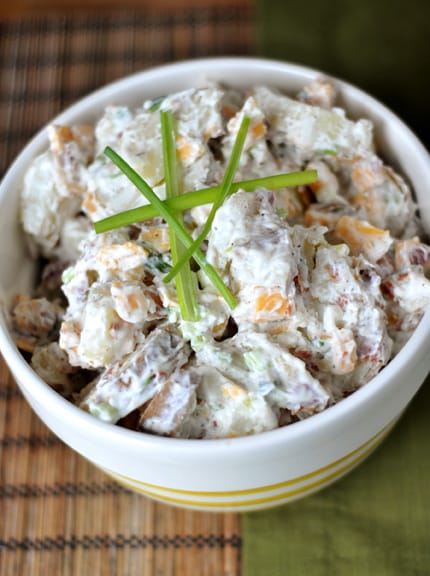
(124, 383)
(347, 393)
(306, 195)
(368, 352)
(155, 297)
(332, 272)
(411, 252)
(420, 256)
(342, 301)
(228, 111)
(51, 274)
(316, 186)
(387, 289)
(302, 353)
(394, 322)
(366, 275)
(386, 263)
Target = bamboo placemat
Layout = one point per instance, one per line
(59, 515)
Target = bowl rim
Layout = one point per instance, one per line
(416, 346)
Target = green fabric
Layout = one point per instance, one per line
(373, 522)
(382, 46)
(376, 520)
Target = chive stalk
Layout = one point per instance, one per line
(164, 210)
(226, 183)
(185, 285)
(204, 196)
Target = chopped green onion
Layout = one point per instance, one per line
(68, 275)
(164, 210)
(185, 282)
(205, 196)
(256, 360)
(223, 192)
(155, 263)
(328, 152)
(155, 104)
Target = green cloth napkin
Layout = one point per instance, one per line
(376, 520)
(381, 46)
(373, 522)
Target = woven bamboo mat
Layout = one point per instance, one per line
(58, 514)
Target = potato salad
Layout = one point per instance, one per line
(330, 279)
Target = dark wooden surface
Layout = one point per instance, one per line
(59, 515)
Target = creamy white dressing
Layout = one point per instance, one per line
(328, 278)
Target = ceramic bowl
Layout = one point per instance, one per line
(237, 474)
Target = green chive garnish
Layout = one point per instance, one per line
(164, 210)
(185, 282)
(204, 196)
(223, 192)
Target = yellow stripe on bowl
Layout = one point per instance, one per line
(273, 494)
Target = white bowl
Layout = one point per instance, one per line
(241, 473)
